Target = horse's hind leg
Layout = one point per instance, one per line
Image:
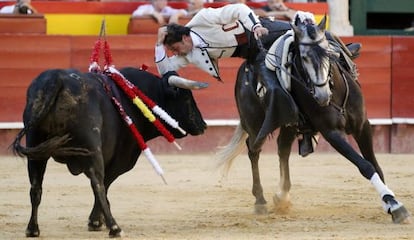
(257, 189)
(391, 205)
(36, 169)
(284, 142)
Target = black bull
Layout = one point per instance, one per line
(70, 117)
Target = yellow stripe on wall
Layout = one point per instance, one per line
(86, 24)
(90, 24)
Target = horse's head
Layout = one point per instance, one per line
(313, 48)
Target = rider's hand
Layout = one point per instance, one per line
(162, 32)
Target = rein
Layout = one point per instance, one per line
(277, 65)
(341, 108)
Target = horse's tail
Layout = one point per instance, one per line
(228, 153)
(41, 96)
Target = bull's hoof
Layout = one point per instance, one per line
(95, 226)
(115, 231)
(401, 215)
(32, 231)
(260, 209)
(281, 205)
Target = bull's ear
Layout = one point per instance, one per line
(322, 23)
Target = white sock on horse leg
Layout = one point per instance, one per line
(379, 185)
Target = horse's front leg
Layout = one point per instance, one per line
(284, 143)
(391, 205)
(364, 141)
(257, 189)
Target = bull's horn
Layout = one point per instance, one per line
(185, 83)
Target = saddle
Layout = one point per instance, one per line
(353, 49)
(279, 57)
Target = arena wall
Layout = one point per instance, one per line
(385, 67)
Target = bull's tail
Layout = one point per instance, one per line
(17, 148)
(41, 96)
(41, 151)
(52, 147)
(228, 153)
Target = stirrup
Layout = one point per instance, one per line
(307, 144)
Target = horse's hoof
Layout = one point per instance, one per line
(281, 205)
(115, 231)
(401, 215)
(95, 226)
(32, 231)
(260, 209)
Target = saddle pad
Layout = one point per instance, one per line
(277, 57)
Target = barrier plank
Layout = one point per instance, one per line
(34, 51)
(23, 57)
(19, 23)
(403, 77)
(384, 65)
(12, 101)
(148, 25)
(374, 67)
(126, 50)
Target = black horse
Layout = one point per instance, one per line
(329, 99)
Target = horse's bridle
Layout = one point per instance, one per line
(328, 79)
(341, 108)
(282, 68)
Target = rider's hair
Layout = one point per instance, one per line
(175, 33)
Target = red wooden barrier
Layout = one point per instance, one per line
(403, 77)
(23, 24)
(147, 25)
(22, 59)
(374, 65)
(384, 62)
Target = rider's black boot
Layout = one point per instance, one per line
(305, 145)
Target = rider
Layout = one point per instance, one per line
(217, 32)
(229, 31)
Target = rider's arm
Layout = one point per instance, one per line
(229, 14)
(165, 63)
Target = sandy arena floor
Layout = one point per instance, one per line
(331, 200)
